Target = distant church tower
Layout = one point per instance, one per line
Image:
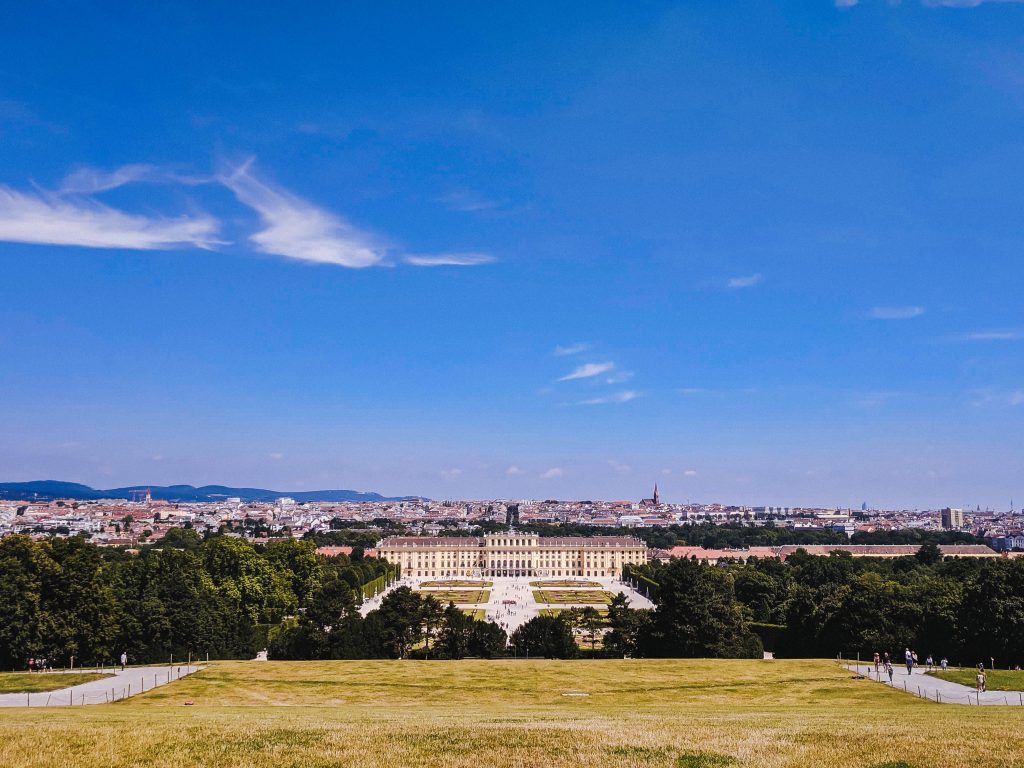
(652, 502)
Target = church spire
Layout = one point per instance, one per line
(657, 499)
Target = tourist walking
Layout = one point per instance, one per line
(124, 659)
(944, 663)
(980, 679)
(888, 671)
(909, 657)
(878, 660)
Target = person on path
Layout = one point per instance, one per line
(909, 657)
(980, 680)
(124, 659)
(944, 663)
(888, 670)
(930, 662)
(878, 660)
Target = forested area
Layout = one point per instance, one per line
(966, 609)
(711, 536)
(64, 597)
(222, 596)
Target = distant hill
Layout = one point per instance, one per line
(44, 490)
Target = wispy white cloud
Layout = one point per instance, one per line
(86, 180)
(52, 219)
(588, 370)
(277, 456)
(744, 281)
(992, 335)
(895, 313)
(874, 399)
(618, 466)
(513, 471)
(451, 474)
(933, 3)
(552, 473)
(618, 397)
(690, 473)
(467, 201)
(619, 377)
(448, 259)
(297, 229)
(962, 3)
(571, 349)
(989, 396)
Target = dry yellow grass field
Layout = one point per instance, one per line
(516, 714)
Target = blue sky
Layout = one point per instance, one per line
(757, 252)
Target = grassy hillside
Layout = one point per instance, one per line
(37, 682)
(505, 713)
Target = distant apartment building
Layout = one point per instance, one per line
(952, 518)
(512, 554)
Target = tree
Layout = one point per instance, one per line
(401, 618)
(545, 636)
(181, 538)
(625, 626)
(992, 614)
(431, 615)
(697, 615)
(486, 639)
(929, 553)
(453, 642)
(591, 620)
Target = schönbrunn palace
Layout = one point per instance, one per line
(511, 554)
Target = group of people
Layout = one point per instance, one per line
(42, 664)
(883, 661)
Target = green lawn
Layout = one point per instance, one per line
(569, 583)
(457, 596)
(516, 714)
(457, 584)
(995, 679)
(572, 596)
(476, 613)
(40, 682)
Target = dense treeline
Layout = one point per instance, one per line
(741, 536)
(64, 597)
(406, 624)
(708, 535)
(965, 609)
(697, 614)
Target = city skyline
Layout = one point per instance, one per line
(759, 255)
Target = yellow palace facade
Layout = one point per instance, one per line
(511, 554)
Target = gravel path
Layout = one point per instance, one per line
(937, 689)
(120, 685)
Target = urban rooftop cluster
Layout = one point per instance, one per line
(120, 522)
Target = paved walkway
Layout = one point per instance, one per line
(511, 602)
(937, 689)
(120, 685)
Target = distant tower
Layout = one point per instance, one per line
(657, 498)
